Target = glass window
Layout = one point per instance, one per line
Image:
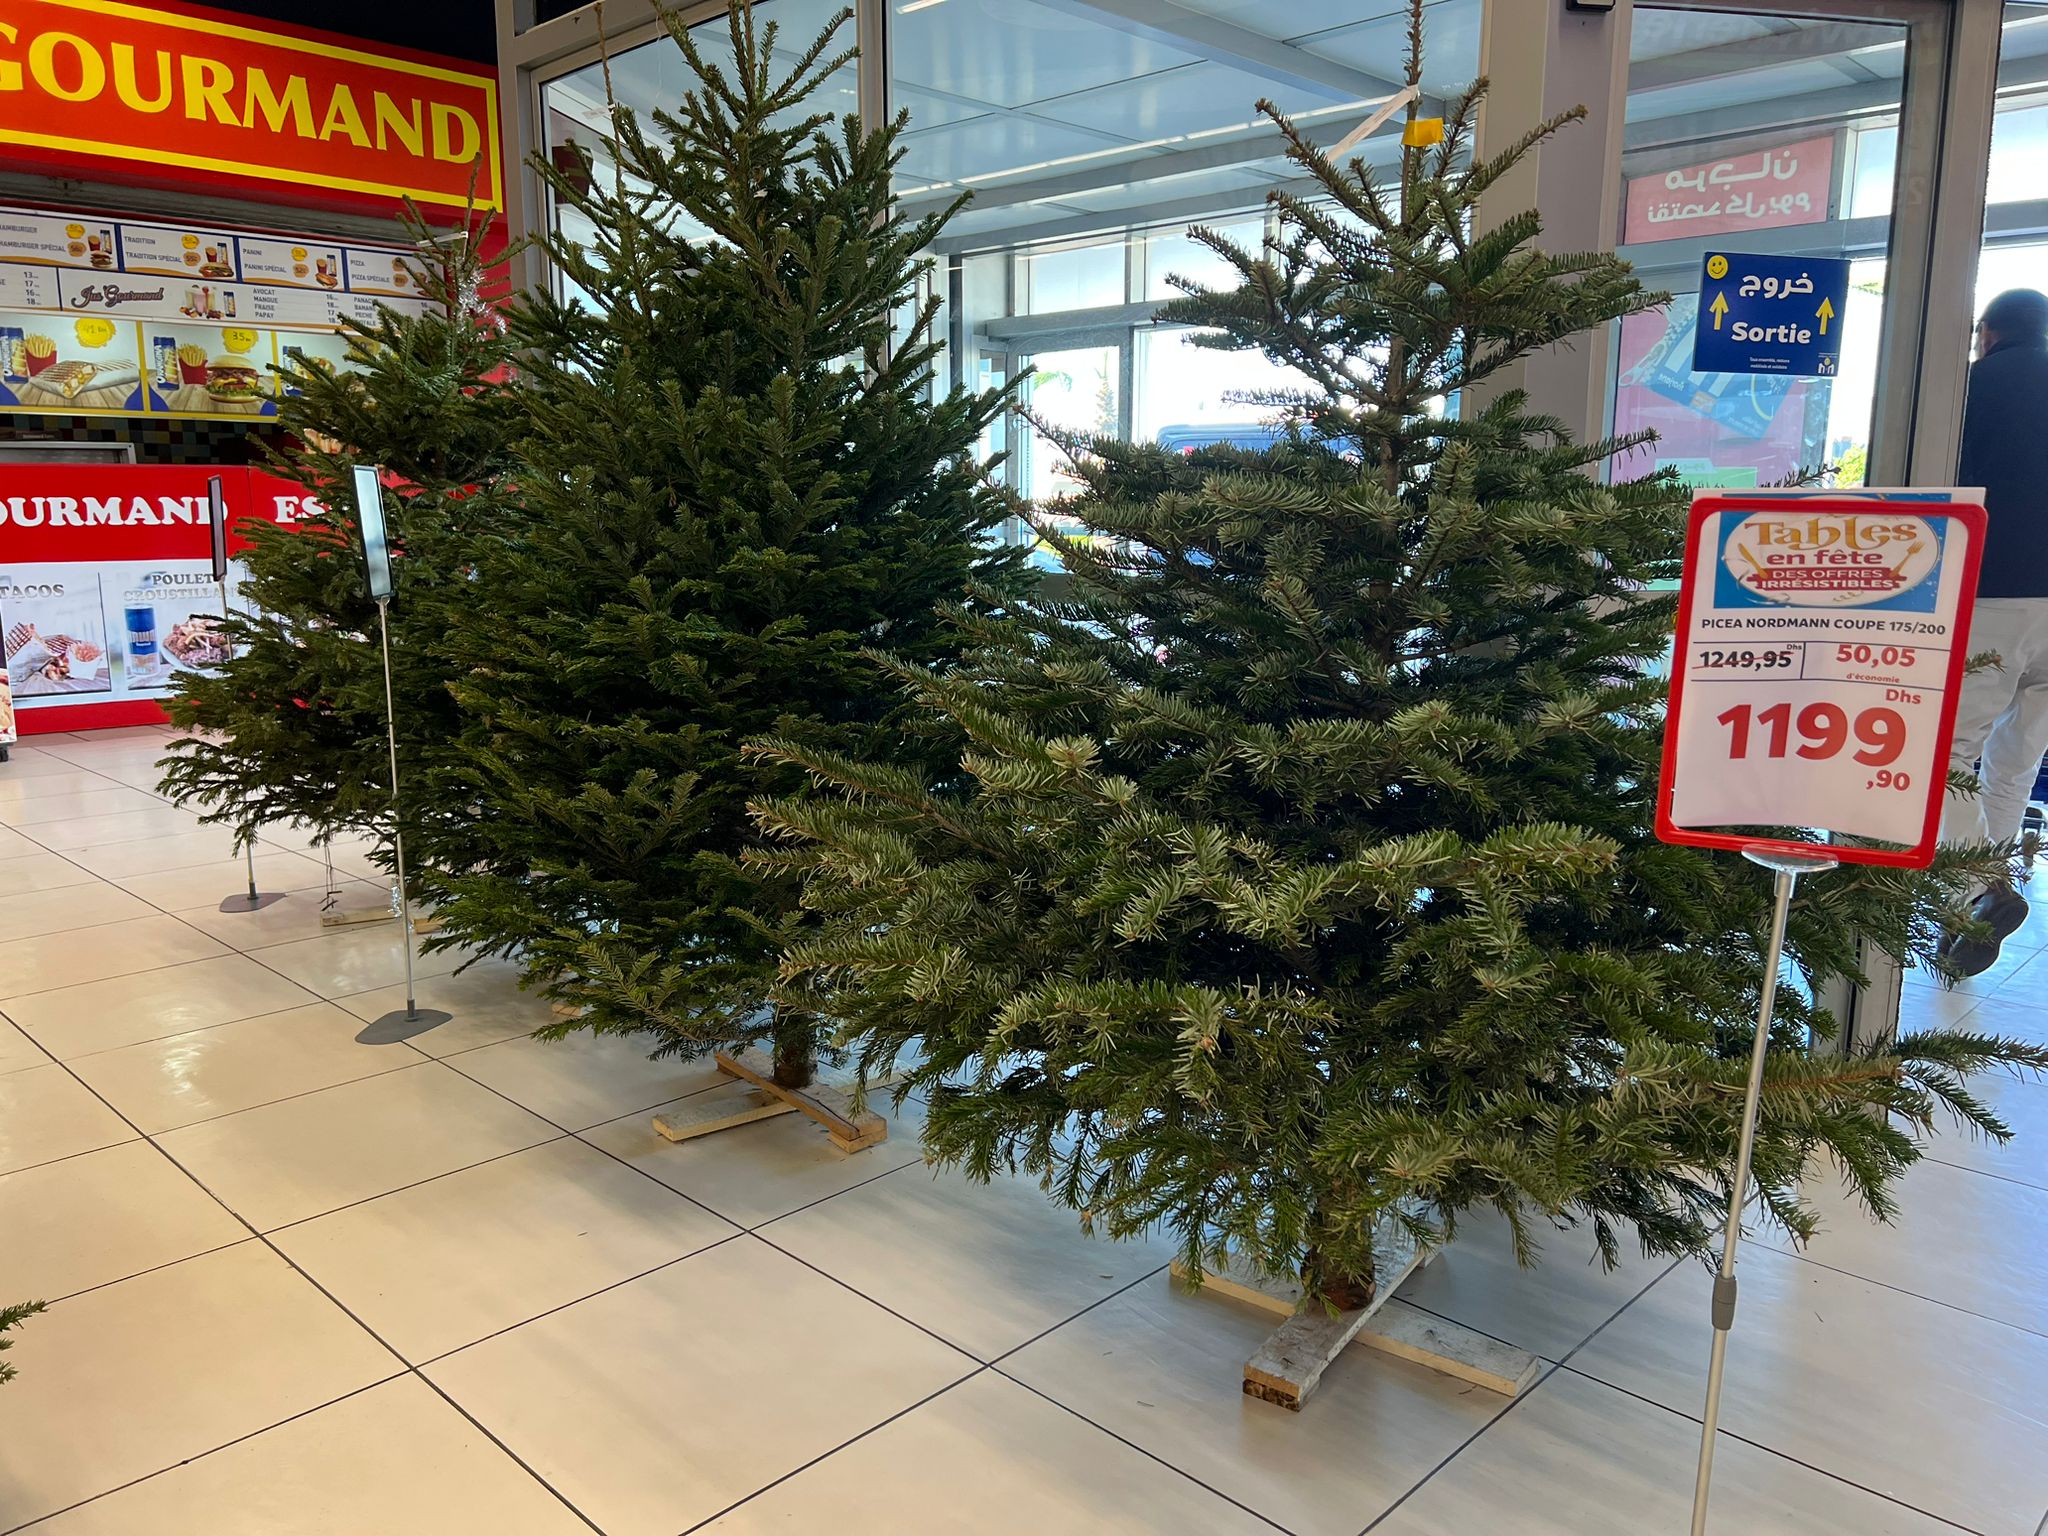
(1090, 143)
(652, 75)
(1767, 135)
(2015, 253)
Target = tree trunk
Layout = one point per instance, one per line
(796, 1053)
(1343, 1292)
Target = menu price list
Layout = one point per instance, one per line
(198, 253)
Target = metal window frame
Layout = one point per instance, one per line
(1935, 231)
(532, 54)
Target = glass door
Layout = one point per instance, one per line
(1751, 131)
(1815, 130)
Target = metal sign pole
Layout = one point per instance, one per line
(1788, 867)
(217, 513)
(414, 1020)
(412, 1007)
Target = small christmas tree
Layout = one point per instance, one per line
(12, 1318)
(295, 723)
(734, 483)
(1298, 887)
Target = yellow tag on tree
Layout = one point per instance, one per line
(1422, 132)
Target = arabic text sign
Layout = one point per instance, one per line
(1766, 189)
(1821, 644)
(1770, 314)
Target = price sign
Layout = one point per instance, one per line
(1821, 644)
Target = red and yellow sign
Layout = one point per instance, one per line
(201, 91)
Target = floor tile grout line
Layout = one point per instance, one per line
(1129, 1444)
(70, 1157)
(1100, 1301)
(251, 1018)
(979, 1369)
(1514, 1402)
(1900, 1290)
(578, 1136)
(55, 933)
(123, 975)
(283, 1098)
(812, 1205)
(113, 787)
(584, 1137)
(2004, 1178)
(1508, 1407)
(93, 773)
(147, 1269)
(482, 1162)
(1768, 1450)
(147, 970)
(122, 842)
(576, 1301)
(336, 1302)
(311, 998)
(224, 1445)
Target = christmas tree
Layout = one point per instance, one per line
(1297, 885)
(12, 1318)
(734, 482)
(294, 725)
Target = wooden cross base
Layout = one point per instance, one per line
(1288, 1365)
(756, 1096)
(348, 917)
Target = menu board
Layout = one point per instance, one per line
(112, 317)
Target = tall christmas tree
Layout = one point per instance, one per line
(294, 725)
(735, 482)
(1297, 886)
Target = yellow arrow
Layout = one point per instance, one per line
(1826, 313)
(1719, 309)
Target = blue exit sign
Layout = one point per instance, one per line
(1770, 314)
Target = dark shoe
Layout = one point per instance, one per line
(2001, 909)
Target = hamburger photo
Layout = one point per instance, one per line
(233, 381)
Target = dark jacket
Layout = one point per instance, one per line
(2005, 450)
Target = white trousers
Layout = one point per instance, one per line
(2002, 718)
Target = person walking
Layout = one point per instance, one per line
(2002, 714)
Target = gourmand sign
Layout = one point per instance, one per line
(208, 95)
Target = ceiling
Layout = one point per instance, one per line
(1063, 116)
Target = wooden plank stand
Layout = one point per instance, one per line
(1287, 1367)
(348, 917)
(755, 1095)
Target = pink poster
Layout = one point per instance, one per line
(1765, 189)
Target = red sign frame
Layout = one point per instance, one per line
(1699, 571)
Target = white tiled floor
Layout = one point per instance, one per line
(305, 1286)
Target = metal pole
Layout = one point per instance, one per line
(254, 900)
(248, 848)
(412, 1009)
(1788, 867)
